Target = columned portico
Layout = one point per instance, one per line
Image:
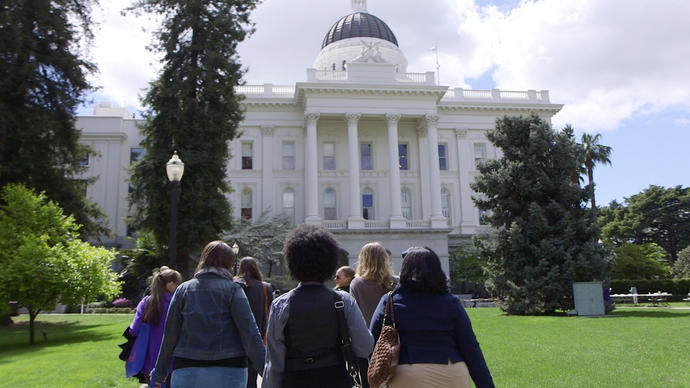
(437, 219)
(267, 167)
(396, 221)
(310, 171)
(354, 219)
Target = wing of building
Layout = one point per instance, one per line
(362, 146)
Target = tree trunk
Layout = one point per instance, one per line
(32, 319)
(590, 176)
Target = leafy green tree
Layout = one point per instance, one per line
(681, 269)
(43, 79)
(192, 107)
(593, 153)
(261, 239)
(657, 214)
(640, 261)
(42, 259)
(544, 238)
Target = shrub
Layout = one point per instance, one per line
(681, 269)
(672, 286)
(122, 302)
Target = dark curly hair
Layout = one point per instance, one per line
(311, 253)
(421, 271)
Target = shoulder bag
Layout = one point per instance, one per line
(386, 353)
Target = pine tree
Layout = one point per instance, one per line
(192, 108)
(42, 82)
(544, 238)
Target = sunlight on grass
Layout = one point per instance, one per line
(643, 347)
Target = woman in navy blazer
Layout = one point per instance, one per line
(438, 345)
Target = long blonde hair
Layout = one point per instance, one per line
(375, 264)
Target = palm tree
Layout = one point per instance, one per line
(593, 152)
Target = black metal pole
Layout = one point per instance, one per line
(174, 198)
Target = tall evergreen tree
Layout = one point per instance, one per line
(192, 108)
(593, 153)
(544, 237)
(42, 82)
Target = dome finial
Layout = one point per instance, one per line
(359, 5)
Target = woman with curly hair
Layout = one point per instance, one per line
(374, 278)
(438, 347)
(302, 338)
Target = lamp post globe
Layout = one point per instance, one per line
(174, 169)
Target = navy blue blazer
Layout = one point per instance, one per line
(434, 329)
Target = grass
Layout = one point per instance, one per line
(640, 347)
(81, 351)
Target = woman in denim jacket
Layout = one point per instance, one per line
(210, 330)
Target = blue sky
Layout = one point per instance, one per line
(620, 67)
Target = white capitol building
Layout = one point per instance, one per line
(362, 146)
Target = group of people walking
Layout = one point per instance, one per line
(221, 332)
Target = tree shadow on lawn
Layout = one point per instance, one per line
(656, 313)
(15, 340)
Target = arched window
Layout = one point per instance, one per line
(330, 211)
(368, 204)
(246, 204)
(445, 204)
(289, 204)
(406, 203)
(344, 63)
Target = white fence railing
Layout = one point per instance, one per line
(496, 95)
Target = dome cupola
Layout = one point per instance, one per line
(353, 35)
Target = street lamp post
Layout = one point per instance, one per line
(235, 250)
(175, 169)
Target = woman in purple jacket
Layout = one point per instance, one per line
(153, 310)
(438, 347)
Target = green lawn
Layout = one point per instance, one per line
(640, 347)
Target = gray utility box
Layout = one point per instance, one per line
(589, 300)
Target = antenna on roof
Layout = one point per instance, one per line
(359, 5)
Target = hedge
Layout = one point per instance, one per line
(672, 286)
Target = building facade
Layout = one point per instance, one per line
(362, 147)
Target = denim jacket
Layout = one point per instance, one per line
(209, 319)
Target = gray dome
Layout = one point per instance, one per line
(356, 25)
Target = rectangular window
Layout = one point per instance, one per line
(289, 205)
(84, 160)
(246, 205)
(329, 156)
(406, 203)
(247, 155)
(368, 205)
(134, 154)
(289, 155)
(482, 217)
(365, 150)
(329, 205)
(402, 156)
(443, 156)
(479, 152)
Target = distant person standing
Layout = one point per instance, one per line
(343, 277)
(152, 310)
(374, 278)
(260, 296)
(210, 331)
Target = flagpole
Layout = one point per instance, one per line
(438, 66)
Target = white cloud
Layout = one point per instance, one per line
(607, 61)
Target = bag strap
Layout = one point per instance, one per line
(389, 309)
(263, 335)
(345, 341)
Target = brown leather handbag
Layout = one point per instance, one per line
(386, 353)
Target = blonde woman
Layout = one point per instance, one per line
(374, 278)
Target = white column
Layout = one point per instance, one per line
(355, 219)
(437, 218)
(465, 164)
(396, 221)
(423, 171)
(267, 169)
(310, 172)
